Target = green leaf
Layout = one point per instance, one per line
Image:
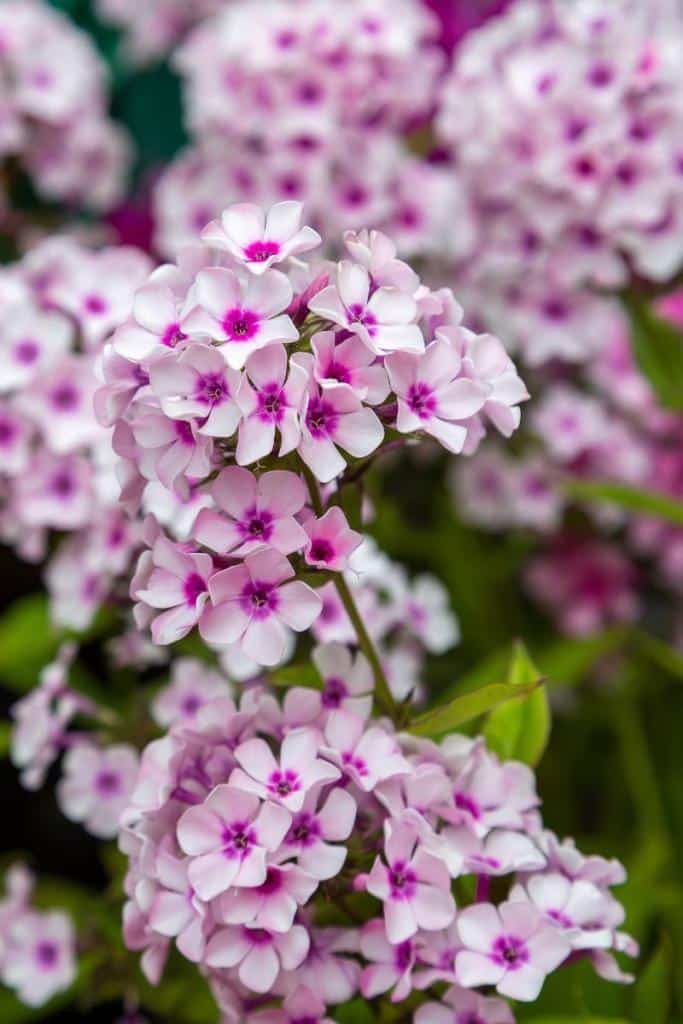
(296, 675)
(666, 657)
(444, 719)
(5, 738)
(652, 503)
(28, 641)
(658, 350)
(652, 994)
(358, 1011)
(519, 729)
(574, 1019)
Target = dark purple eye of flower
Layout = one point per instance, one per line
(321, 550)
(601, 75)
(63, 485)
(65, 397)
(258, 599)
(46, 954)
(321, 418)
(191, 704)
(172, 336)
(421, 400)
(26, 351)
(304, 829)
(107, 783)
(273, 882)
(94, 304)
(334, 693)
(193, 588)
(259, 252)
(7, 432)
(403, 955)
(284, 783)
(466, 803)
(556, 309)
(240, 324)
(212, 387)
(337, 371)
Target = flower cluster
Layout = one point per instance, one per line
(581, 106)
(317, 109)
(602, 425)
(153, 28)
(53, 102)
(37, 949)
(251, 819)
(56, 466)
(229, 363)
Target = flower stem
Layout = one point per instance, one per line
(383, 696)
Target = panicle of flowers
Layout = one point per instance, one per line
(601, 425)
(252, 819)
(581, 106)
(253, 387)
(54, 108)
(317, 109)
(37, 948)
(57, 470)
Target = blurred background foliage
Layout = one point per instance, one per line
(612, 775)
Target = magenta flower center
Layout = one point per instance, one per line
(321, 550)
(238, 838)
(191, 704)
(403, 955)
(107, 783)
(357, 764)
(464, 802)
(403, 881)
(212, 388)
(321, 418)
(26, 351)
(46, 954)
(65, 397)
(193, 588)
(259, 252)
(560, 918)
(95, 304)
(305, 829)
(283, 783)
(257, 524)
(63, 484)
(334, 693)
(273, 883)
(240, 324)
(271, 403)
(259, 600)
(184, 432)
(172, 335)
(8, 432)
(509, 951)
(338, 371)
(421, 400)
(360, 315)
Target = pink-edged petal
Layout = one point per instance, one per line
(212, 874)
(337, 815)
(256, 440)
(399, 916)
(216, 531)
(218, 290)
(524, 984)
(223, 624)
(479, 926)
(282, 491)
(299, 605)
(360, 433)
(322, 458)
(265, 641)
(259, 969)
(199, 831)
(474, 969)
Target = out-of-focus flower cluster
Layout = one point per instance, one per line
(53, 108)
(56, 465)
(564, 124)
(315, 108)
(229, 363)
(602, 425)
(37, 949)
(153, 28)
(250, 820)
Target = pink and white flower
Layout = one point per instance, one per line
(348, 682)
(242, 318)
(390, 964)
(252, 512)
(317, 828)
(197, 385)
(464, 1007)
(38, 956)
(193, 685)
(366, 756)
(511, 946)
(273, 904)
(259, 955)
(96, 786)
(288, 780)
(330, 540)
(270, 398)
(178, 580)
(254, 603)
(229, 838)
(257, 239)
(334, 417)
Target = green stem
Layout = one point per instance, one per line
(383, 695)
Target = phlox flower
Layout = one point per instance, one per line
(428, 615)
(178, 581)
(176, 912)
(193, 684)
(197, 385)
(391, 964)
(15, 440)
(366, 756)
(96, 786)
(253, 511)
(330, 540)
(56, 491)
(349, 362)
(31, 342)
(488, 794)
(288, 780)
(242, 318)
(271, 905)
(321, 823)
(39, 956)
(334, 417)
(254, 603)
(414, 885)
(587, 915)
(383, 320)
(61, 404)
(257, 239)
(171, 449)
(270, 398)
(327, 966)
(229, 837)
(432, 394)
(348, 682)
(461, 1006)
(258, 955)
(510, 946)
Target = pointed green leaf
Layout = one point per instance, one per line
(652, 503)
(519, 729)
(658, 350)
(27, 642)
(445, 719)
